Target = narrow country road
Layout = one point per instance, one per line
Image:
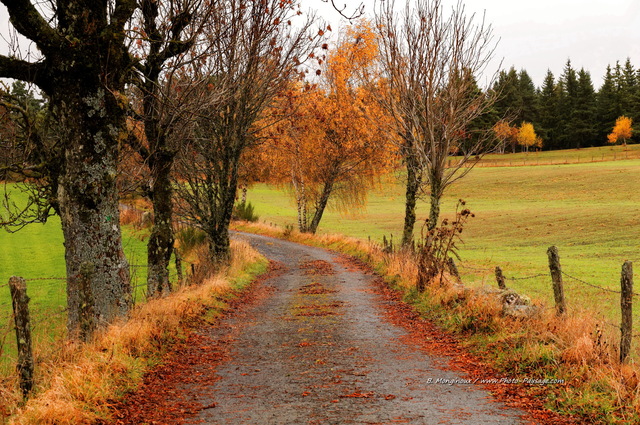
(316, 348)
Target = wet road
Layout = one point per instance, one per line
(318, 350)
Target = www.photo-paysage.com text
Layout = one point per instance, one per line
(460, 381)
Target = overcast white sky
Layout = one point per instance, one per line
(538, 34)
(542, 34)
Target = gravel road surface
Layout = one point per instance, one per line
(317, 349)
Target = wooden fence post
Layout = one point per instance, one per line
(626, 305)
(500, 278)
(453, 269)
(556, 276)
(20, 302)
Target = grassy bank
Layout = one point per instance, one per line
(74, 383)
(578, 350)
(36, 253)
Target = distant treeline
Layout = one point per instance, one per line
(567, 112)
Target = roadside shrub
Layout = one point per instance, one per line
(288, 230)
(244, 211)
(188, 238)
(438, 246)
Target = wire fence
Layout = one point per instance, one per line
(47, 306)
(535, 276)
(534, 160)
(487, 271)
(620, 327)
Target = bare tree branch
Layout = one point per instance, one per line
(357, 12)
(431, 60)
(20, 70)
(29, 22)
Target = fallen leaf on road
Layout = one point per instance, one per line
(359, 395)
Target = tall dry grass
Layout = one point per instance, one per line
(578, 348)
(76, 382)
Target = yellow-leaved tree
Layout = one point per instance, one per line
(621, 131)
(527, 136)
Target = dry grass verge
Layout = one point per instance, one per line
(77, 381)
(577, 350)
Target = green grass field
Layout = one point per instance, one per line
(36, 253)
(591, 211)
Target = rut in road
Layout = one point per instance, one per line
(318, 350)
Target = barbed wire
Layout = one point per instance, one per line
(613, 291)
(527, 277)
(44, 279)
(35, 279)
(612, 325)
(463, 266)
(512, 278)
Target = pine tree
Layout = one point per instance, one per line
(507, 87)
(567, 103)
(607, 106)
(583, 118)
(628, 89)
(548, 101)
(527, 97)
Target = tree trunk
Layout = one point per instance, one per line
(88, 201)
(160, 156)
(219, 243)
(321, 205)
(414, 179)
(227, 185)
(160, 245)
(84, 66)
(302, 213)
(219, 250)
(301, 201)
(434, 204)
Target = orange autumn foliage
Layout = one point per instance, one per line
(329, 144)
(621, 131)
(506, 134)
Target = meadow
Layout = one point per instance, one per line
(590, 210)
(36, 253)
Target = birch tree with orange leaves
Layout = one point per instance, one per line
(506, 134)
(328, 148)
(621, 131)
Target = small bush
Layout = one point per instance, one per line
(288, 230)
(189, 238)
(244, 211)
(439, 244)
